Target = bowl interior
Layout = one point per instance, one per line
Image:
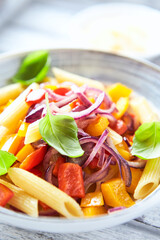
(142, 77)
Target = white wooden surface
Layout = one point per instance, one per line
(28, 24)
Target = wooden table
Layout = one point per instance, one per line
(34, 24)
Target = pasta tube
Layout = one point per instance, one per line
(16, 110)
(149, 179)
(22, 200)
(143, 110)
(3, 132)
(10, 92)
(64, 76)
(45, 192)
(116, 138)
(33, 134)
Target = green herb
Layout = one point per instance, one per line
(6, 161)
(60, 132)
(146, 143)
(33, 68)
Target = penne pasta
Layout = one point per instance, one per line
(116, 138)
(64, 76)
(45, 192)
(32, 134)
(10, 92)
(3, 132)
(16, 110)
(143, 111)
(21, 200)
(149, 179)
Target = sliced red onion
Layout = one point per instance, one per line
(107, 111)
(54, 96)
(84, 99)
(127, 172)
(127, 141)
(95, 92)
(82, 133)
(97, 176)
(96, 148)
(77, 89)
(87, 151)
(79, 108)
(50, 157)
(49, 175)
(34, 114)
(102, 158)
(140, 163)
(66, 100)
(116, 209)
(121, 161)
(88, 111)
(54, 108)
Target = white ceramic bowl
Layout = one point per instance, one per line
(143, 77)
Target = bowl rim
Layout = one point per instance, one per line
(72, 225)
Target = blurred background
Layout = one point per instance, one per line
(114, 26)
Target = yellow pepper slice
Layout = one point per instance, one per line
(118, 90)
(97, 127)
(24, 152)
(94, 211)
(23, 129)
(115, 194)
(92, 199)
(121, 105)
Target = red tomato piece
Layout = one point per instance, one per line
(36, 172)
(34, 158)
(62, 91)
(70, 180)
(93, 163)
(120, 127)
(35, 96)
(5, 195)
(59, 161)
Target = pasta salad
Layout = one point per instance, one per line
(72, 146)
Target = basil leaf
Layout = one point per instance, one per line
(60, 132)
(146, 143)
(6, 161)
(33, 68)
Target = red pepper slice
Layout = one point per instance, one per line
(93, 163)
(34, 158)
(35, 96)
(59, 161)
(36, 172)
(44, 206)
(62, 91)
(5, 195)
(70, 180)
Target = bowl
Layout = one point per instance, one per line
(142, 76)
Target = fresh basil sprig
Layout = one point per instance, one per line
(146, 143)
(6, 161)
(60, 132)
(33, 68)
